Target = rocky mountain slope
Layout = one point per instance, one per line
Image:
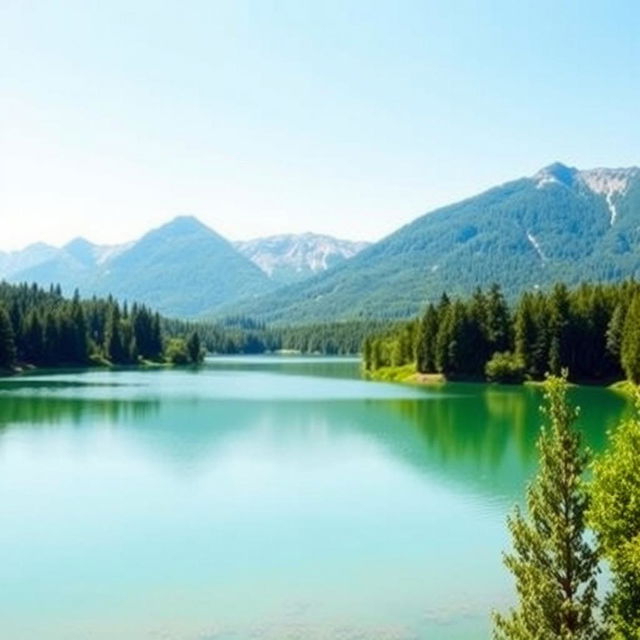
(292, 257)
(560, 224)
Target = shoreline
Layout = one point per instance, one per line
(407, 374)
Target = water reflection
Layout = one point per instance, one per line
(478, 436)
(229, 501)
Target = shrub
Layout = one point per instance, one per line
(505, 366)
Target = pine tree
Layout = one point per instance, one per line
(525, 333)
(114, 345)
(366, 353)
(51, 339)
(559, 320)
(615, 330)
(80, 347)
(7, 341)
(498, 321)
(553, 565)
(426, 342)
(194, 348)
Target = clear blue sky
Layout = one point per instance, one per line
(349, 118)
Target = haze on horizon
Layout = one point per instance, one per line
(348, 119)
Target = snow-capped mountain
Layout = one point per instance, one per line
(291, 257)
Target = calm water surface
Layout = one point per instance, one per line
(261, 498)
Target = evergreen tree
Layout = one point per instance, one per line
(194, 348)
(52, 355)
(525, 333)
(33, 338)
(426, 341)
(558, 335)
(114, 347)
(498, 321)
(366, 353)
(615, 330)
(7, 341)
(554, 566)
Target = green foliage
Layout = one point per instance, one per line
(630, 347)
(426, 345)
(553, 565)
(518, 235)
(194, 348)
(177, 351)
(615, 516)
(586, 330)
(244, 335)
(47, 329)
(7, 341)
(506, 367)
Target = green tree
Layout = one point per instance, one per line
(426, 341)
(630, 348)
(7, 341)
(615, 517)
(115, 349)
(194, 347)
(505, 366)
(498, 321)
(554, 566)
(177, 352)
(559, 321)
(615, 331)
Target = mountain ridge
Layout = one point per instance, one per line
(105, 269)
(289, 257)
(561, 224)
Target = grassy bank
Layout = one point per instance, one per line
(405, 373)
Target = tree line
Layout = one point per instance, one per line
(592, 330)
(41, 327)
(242, 335)
(569, 525)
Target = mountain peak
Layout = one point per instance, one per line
(78, 243)
(290, 257)
(185, 223)
(556, 173)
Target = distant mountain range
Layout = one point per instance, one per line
(290, 258)
(561, 224)
(182, 268)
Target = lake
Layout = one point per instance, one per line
(267, 498)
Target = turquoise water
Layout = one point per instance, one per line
(267, 498)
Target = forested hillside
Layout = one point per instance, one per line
(560, 225)
(593, 331)
(240, 335)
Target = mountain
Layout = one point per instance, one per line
(561, 224)
(15, 261)
(293, 257)
(183, 268)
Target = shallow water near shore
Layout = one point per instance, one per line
(262, 497)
